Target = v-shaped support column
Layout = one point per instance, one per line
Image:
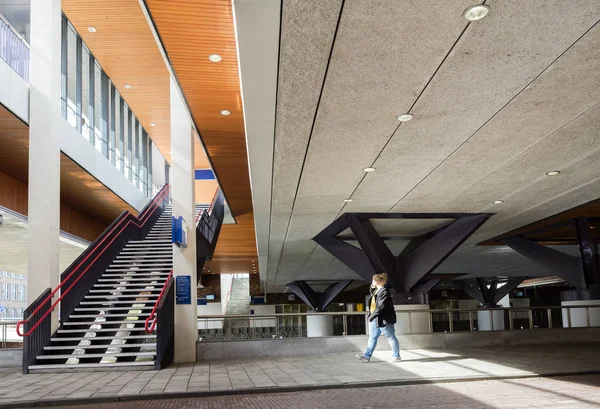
(489, 296)
(317, 301)
(408, 272)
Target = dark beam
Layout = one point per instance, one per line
(352, 257)
(587, 252)
(563, 265)
(432, 253)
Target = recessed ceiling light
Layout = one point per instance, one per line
(553, 173)
(369, 170)
(215, 58)
(152, 124)
(347, 200)
(498, 201)
(92, 29)
(225, 112)
(476, 12)
(128, 86)
(404, 117)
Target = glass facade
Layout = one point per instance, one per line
(92, 105)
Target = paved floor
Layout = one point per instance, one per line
(311, 372)
(573, 392)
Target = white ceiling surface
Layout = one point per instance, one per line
(14, 247)
(497, 104)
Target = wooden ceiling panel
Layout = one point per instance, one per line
(190, 32)
(14, 145)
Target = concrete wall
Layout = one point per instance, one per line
(14, 91)
(11, 357)
(454, 341)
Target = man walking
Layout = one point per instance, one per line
(382, 318)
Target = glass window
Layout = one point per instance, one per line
(85, 95)
(144, 163)
(98, 107)
(71, 76)
(150, 184)
(111, 122)
(119, 130)
(136, 153)
(127, 141)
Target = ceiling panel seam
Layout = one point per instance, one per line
(409, 110)
(265, 281)
(508, 162)
(494, 115)
(309, 136)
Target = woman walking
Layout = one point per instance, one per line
(382, 318)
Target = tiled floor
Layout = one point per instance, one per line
(572, 392)
(311, 371)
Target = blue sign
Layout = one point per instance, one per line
(183, 294)
(179, 232)
(204, 174)
(1, 309)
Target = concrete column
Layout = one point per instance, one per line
(44, 149)
(413, 322)
(184, 259)
(319, 325)
(485, 318)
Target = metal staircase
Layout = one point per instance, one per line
(107, 298)
(106, 329)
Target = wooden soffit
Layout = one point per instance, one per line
(190, 32)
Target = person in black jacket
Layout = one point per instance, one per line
(382, 318)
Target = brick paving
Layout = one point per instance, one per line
(573, 392)
(331, 370)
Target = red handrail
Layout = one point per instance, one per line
(212, 204)
(145, 216)
(153, 313)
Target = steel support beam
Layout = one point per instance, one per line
(408, 272)
(489, 296)
(561, 264)
(318, 301)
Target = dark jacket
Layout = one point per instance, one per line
(384, 311)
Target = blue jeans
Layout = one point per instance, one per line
(390, 334)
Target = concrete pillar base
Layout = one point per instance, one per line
(419, 321)
(485, 318)
(319, 325)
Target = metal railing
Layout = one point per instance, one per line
(294, 325)
(8, 333)
(14, 49)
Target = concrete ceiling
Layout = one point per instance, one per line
(497, 103)
(14, 245)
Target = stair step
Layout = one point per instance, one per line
(131, 263)
(71, 339)
(133, 315)
(146, 255)
(62, 367)
(149, 274)
(109, 302)
(131, 252)
(87, 330)
(133, 270)
(149, 241)
(107, 297)
(138, 291)
(107, 355)
(140, 285)
(78, 324)
(112, 309)
(127, 279)
(59, 347)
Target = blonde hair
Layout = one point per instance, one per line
(381, 279)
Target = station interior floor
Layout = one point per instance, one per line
(511, 366)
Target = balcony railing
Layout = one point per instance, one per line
(13, 49)
(294, 325)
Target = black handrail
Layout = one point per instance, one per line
(165, 331)
(33, 345)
